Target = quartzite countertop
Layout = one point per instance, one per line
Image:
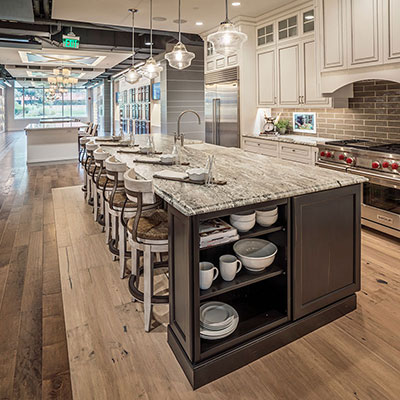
(251, 178)
(295, 139)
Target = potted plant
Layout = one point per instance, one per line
(282, 125)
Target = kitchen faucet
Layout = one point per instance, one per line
(178, 134)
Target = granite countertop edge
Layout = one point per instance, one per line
(298, 139)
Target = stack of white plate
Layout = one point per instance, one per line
(217, 320)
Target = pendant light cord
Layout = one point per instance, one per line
(179, 21)
(151, 28)
(226, 11)
(133, 11)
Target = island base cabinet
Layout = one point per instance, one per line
(326, 248)
(311, 282)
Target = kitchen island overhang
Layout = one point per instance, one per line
(52, 141)
(312, 282)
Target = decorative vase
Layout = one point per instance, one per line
(282, 131)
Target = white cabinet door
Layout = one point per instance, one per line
(266, 78)
(310, 74)
(391, 30)
(288, 71)
(363, 35)
(332, 25)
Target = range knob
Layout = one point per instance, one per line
(375, 164)
(385, 164)
(328, 154)
(395, 166)
(341, 157)
(350, 160)
(322, 154)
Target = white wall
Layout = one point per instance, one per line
(13, 124)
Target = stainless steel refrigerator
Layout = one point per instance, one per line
(222, 109)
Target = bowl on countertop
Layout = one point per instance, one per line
(197, 174)
(255, 254)
(167, 158)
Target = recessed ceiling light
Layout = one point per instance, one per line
(176, 21)
(160, 19)
(199, 23)
(236, 3)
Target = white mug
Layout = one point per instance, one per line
(208, 273)
(229, 266)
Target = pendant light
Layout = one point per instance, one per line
(227, 40)
(151, 69)
(179, 57)
(132, 76)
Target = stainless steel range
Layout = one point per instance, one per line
(380, 163)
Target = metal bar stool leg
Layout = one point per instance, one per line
(107, 222)
(121, 247)
(148, 287)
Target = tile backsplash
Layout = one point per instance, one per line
(373, 113)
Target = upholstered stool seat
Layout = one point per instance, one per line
(119, 201)
(153, 225)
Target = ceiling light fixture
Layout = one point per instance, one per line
(199, 23)
(236, 3)
(151, 69)
(132, 76)
(227, 40)
(179, 57)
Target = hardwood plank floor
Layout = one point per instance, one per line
(60, 285)
(110, 356)
(33, 349)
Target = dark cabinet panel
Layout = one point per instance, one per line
(326, 248)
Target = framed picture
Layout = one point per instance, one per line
(304, 122)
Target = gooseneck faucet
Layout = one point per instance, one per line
(178, 134)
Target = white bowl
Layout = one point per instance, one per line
(167, 158)
(245, 216)
(145, 149)
(266, 220)
(256, 254)
(242, 226)
(197, 174)
(267, 211)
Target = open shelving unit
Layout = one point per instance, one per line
(261, 299)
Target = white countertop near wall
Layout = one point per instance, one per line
(296, 139)
(56, 125)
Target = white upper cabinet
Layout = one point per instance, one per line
(266, 64)
(310, 75)
(332, 44)
(391, 30)
(363, 36)
(288, 71)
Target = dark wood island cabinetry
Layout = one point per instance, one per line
(311, 282)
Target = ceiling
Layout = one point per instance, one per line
(115, 12)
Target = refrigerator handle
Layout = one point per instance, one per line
(217, 120)
(214, 123)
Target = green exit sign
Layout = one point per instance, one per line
(71, 42)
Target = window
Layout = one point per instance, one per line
(308, 21)
(287, 28)
(265, 35)
(210, 49)
(33, 103)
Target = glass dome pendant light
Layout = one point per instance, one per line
(179, 57)
(151, 69)
(227, 40)
(132, 76)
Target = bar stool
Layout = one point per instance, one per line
(82, 158)
(100, 183)
(147, 233)
(114, 203)
(82, 133)
(90, 167)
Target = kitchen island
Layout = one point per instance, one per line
(312, 281)
(52, 141)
